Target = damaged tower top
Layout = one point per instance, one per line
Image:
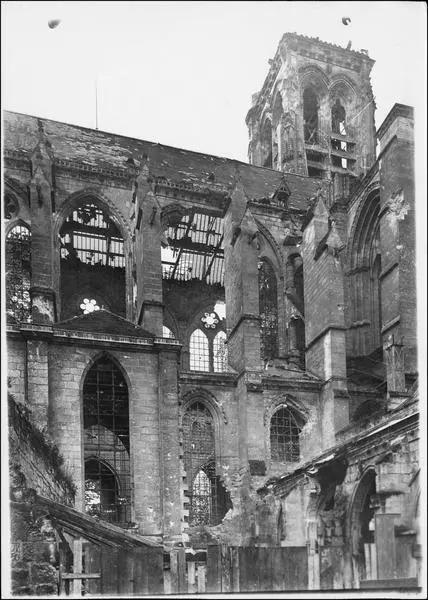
(315, 112)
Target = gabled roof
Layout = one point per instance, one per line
(102, 150)
(103, 321)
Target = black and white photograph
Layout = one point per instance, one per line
(213, 267)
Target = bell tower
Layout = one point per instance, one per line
(315, 112)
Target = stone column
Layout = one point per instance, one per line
(397, 233)
(243, 321)
(324, 317)
(171, 463)
(148, 255)
(41, 199)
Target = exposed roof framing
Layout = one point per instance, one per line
(195, 250)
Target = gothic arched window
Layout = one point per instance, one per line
(268, 308)
(310, 116)
(92, 262)
(106, 443)
(284, 436)
(208, 499)
(167, 333)
(199, 351)
(18, 273)
(220, 352)
(207, 346)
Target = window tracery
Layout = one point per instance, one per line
(92, 258)
(208, 499)
(18, 273)
(268, 308)
(106, 443)
(284, 436)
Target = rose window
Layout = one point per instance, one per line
(210, 320)
(89, 306)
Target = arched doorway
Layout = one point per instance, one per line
(362, 528)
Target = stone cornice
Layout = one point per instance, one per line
(57, 335)
(204, 378)
(398, 110)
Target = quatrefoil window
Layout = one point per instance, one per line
(89, 306)
(210, 320)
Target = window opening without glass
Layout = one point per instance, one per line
(208, 499)
(92, 261)
(195, 250)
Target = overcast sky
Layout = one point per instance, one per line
(182, 73)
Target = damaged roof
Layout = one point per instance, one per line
(396, 419)
(103, 321)
(103, 150)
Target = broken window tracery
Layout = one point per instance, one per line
(18, 273)
(284, 436)
(268, 308)
(220, 352)
(93, 259)
(208, 499)
(106, 443)
(338, 117)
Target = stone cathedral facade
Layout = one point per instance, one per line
(222, 352)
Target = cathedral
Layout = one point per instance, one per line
(212, 365)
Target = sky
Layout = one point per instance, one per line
(182, 73)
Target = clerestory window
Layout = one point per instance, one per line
(92, 262)
(268, 308)
(208, 349)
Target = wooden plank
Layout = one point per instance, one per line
(109, 559)
(278, 559)
(295, 560)
(389, 584)
(181, 561)
(140, 586)
(154, 559)
(91, 564)
(264, 566)
(202, 573)
(81, 575)
(234, 566)
(65, 564)
(248, 569)
(368, 561)
(191, 577)
(225, 570)
(213, 583)
(385, 545)
(125, 572)
(173, 561)
(76, 586)
(406, 564)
